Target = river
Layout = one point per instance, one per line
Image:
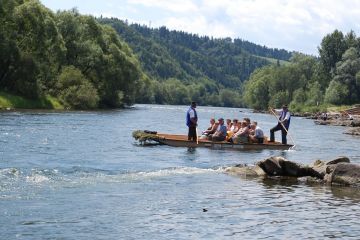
(80, 175)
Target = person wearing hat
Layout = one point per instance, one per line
(284, 121)
(191, 122)
(221, 131)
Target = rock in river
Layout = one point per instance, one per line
(336, 171)
(344, 174)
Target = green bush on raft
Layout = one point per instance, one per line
(143, 136)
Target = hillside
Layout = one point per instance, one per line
(187, 57)
(82, 63)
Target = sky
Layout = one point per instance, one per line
(295, 25)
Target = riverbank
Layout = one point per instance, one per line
(10, 101)
(349, 118)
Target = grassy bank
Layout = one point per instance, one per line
(12, 101)
(320, 108)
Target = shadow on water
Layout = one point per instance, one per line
(191, 150)
(290, 184)
(275, 182)
(345, 192)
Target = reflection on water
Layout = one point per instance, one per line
(346, 193)
(80, 175)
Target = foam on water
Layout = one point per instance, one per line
(78, 175)
(37, 178)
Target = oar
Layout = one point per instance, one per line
(274, 114)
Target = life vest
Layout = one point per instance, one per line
(188, 121)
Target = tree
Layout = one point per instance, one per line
(257, 89)
(314, 94)
(346, 71)
(75, 91)
(336, 93)
(331, 50)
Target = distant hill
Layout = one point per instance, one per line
(166, 54)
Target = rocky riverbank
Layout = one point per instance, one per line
(338, 171)
(353, 131)
(352, 124)
(339, 121)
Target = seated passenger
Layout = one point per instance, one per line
(210, 130)
(238, 127)
(247, 120)
(228, 124)
(220, 133)
(234, 128)
(243, 134)
(256, 133)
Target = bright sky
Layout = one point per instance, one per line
(291, 24)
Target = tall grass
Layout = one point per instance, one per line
(12, 101)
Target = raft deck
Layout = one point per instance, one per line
(178, 140)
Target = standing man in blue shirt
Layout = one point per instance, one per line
(191, 122)
(284, 121)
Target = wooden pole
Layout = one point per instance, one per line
(197, 137)
(287, 132)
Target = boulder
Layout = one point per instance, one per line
(279, 166)
(271, 166)
(243, 170)
(343, 174)
(341, 159)
(322, 167)
(355, 123)
(353, 131)
(338, 171)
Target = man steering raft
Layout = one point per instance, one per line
(191, 122)
(283, 124)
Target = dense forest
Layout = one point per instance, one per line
(308, 83)
(65, 55)
(186, 66)
(86, 63)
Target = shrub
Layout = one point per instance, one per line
(75, 91)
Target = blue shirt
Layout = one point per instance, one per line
(189, 114)
(222, 129)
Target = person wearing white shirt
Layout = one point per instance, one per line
(191, 122)
(284, 121)
(256, 133)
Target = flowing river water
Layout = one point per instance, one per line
(81, 175)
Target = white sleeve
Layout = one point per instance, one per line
(192, 113)
(287, 116)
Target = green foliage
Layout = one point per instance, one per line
(12, 101)
(209, 71)
(309, 84)
(336, 93)
(279, 98)
(308, 108)
(168, 54)
(256, 92)
(331, 49)
(87, 65)
(314, 95)
(75, 91)
(36, 45)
